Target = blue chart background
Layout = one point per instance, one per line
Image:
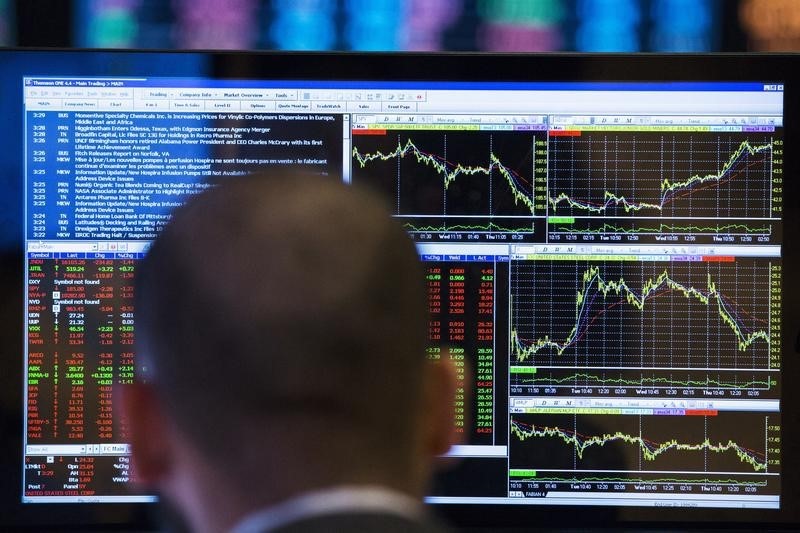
(156, 160)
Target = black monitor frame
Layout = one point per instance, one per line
(429, 67)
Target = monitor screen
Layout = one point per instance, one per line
(605, 262)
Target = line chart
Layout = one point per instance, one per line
(673, 175)
(649, 449)
(453, 174)
(728, 442)
(651, 287)
(451, 171)
(632, 379)
(462, 224)
(654, 479)
(641, 314)
(687, 228)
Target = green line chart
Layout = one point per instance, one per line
(592, 277)
(457, 173)
(726, 442)
(450, 224)
(448, 171)
(741, 482)
(650, 450)
(667, 380)
(663, 228)
(705, 175)
(641, 314)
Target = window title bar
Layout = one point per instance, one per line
(430, 85)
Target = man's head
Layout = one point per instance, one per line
(281, 320)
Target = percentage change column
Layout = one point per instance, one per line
(461, 325)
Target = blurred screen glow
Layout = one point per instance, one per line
(425, 25)
(6, 26)
(771, 25)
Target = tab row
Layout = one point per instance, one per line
(184, 105)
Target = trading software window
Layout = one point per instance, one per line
(605, 259)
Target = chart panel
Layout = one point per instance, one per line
(468, 184)
(644, 382)
(685, 186)
(672, 314)
(663, 450)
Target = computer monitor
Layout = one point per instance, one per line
(608, 243)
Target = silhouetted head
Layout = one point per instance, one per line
(285, 315)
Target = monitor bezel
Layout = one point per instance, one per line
(441, 67)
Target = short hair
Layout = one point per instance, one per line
(281, 293)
